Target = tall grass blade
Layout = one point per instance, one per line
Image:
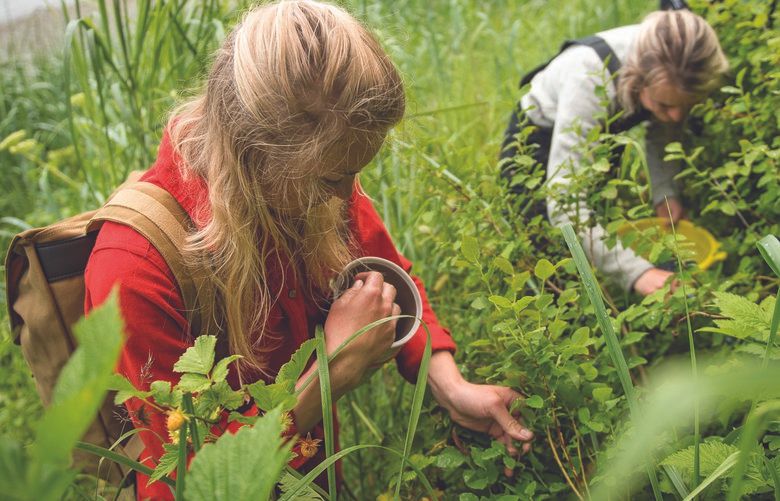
(327, 407)
(677, 481)
(121, 459)
(769, 247)
(181, 467)
(417, 400)
(721, 470)
(189, 408)
(613, 345)
(692, 349)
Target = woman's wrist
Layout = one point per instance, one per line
(444, 377)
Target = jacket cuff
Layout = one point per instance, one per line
(410, 356)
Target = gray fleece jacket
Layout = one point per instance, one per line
(564, 96)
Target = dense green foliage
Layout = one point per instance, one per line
(503, 283)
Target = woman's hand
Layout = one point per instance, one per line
(479, 407)
(674, 212)
(654, 279)
(369, 299)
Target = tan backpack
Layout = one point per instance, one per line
(45, 292)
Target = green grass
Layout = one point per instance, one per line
(98, 113)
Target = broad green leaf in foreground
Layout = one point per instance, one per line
(82, 384)
(246, 465)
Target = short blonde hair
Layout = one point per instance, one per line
(674, 46)
(292, 82)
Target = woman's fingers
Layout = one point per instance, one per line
(506, 421)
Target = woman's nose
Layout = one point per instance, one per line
(676, 114)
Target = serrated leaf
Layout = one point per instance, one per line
(163, 396)
(220, 371)
(746, 319)
(711, 455)
(291, 371)
(221, 395)
(305, 494)
(270, 396)
(124, 389)
(167, 463)
(544, 269)
(246, 465)
(199, 358)
(193, 383)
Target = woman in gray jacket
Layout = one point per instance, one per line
(657, 71)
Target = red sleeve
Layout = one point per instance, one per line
(155, 327)
(374, 240)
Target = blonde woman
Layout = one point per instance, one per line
(265, 161)
(655, 72)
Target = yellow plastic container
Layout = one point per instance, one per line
(699, 244)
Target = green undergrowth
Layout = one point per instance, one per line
(504, 283)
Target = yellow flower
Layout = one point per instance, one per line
(309, 446)
(175, 419)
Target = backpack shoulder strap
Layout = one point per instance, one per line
(157, 216)
(604, 51)
(602, 48)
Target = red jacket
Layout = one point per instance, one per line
(156, 326)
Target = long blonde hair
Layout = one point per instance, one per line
(673, 46)
(292, 82)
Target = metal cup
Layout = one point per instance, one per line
(407, 295)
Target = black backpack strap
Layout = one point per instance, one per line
(605, 53)
(673, 5)
(602, 48)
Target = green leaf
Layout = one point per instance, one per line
(746, 319)
(581, 336)
(220, 371)
(163, 396)
(82, 384)
(291, 371)
(449, 458)
(500, 301)
(167, 463)
(306, 494)
(544, 269)
(198, 359)
(124, 389)
(534, 402)
(469, 247)
(270, 396)
(246, 465)
(712, 454)
(504, 265)
(602, 394)
(193, 383)
(221, 395)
